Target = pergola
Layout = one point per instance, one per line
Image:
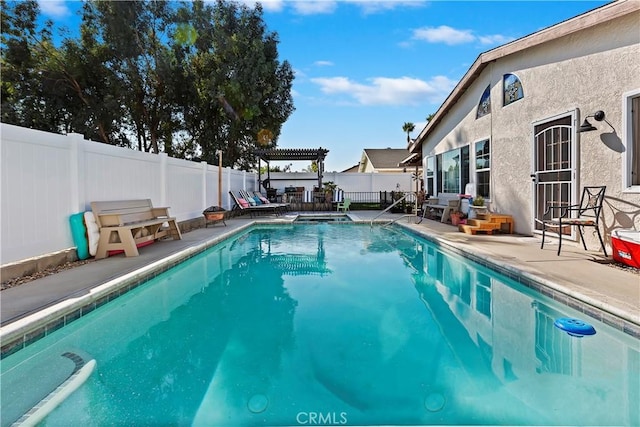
(295, 154)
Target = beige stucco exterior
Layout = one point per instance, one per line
(574, 68)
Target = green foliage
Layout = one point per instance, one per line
(313, 167)
(329, 186)
(478, 201)
(151, 76)
(185, 34)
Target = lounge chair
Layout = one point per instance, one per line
(265, 201)
(586, 214)
(257, 199)
(243, 205)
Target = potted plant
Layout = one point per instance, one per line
(329, 187)
(456, 217)
(477, 205)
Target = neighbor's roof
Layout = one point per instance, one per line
(581, 22)
(386, 158)
(353, 168)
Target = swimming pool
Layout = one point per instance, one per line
(324, 217)
(331, 324)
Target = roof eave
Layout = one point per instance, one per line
(588, 19)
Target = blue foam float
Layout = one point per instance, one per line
(574, 327)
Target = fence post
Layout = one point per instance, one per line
(163, 178)
(228, 188)
(76, 164)
(204, 184)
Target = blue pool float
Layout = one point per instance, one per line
(79, 234)
(574, 327)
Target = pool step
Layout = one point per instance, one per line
(65, 374)
(474, 226)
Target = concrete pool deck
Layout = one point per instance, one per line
(575, 274)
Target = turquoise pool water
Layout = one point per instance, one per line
(330, 324)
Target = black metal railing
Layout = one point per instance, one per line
(360, 200)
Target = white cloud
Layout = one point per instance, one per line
(453, 36)
(374, 6)
(443, 34)
(323, 63)
(388, 91)
(54, 8)
(496, 39)
(313, 7)
(273, 5)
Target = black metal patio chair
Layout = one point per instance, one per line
(586, 214)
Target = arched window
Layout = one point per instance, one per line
(484, 106)
(512, 89)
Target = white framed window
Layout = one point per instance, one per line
(483, 168)
(430, 167)
(452, 170)
(631, 138)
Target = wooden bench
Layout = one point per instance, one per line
(442, 206)
(127, 224)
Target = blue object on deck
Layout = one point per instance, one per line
(79, 234)
(574, 327)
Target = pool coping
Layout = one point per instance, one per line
(23, 332)
(17, 335)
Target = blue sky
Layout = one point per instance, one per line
(364, 68)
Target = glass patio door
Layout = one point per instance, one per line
(554, 166)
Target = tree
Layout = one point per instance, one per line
(313, 167)
(408, 127)
(81, 67)
(429, 117)
(136, 33)
(25, 100)
(239, 86)
(188, 79)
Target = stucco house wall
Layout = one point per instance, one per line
(580, 73)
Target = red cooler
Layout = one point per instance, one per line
(626, 247)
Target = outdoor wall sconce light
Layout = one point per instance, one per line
(598, 116)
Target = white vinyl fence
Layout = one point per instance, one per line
(46, 177)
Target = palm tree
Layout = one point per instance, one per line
(408, 127)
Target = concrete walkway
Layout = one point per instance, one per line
(583, 275)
